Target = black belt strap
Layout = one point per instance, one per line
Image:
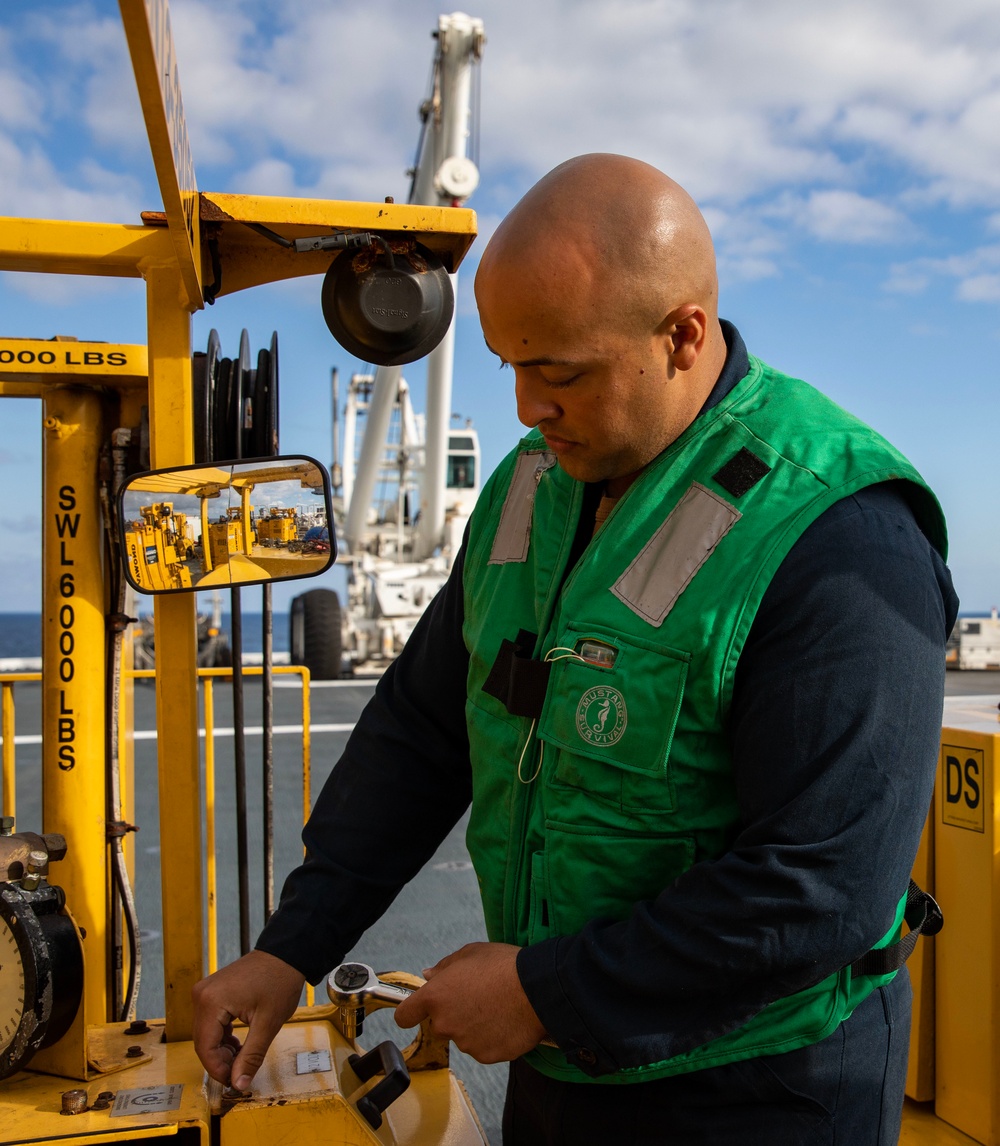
(517, 681)
(923, 917)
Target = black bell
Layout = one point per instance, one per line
(388, 306)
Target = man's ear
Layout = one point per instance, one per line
(686, 330)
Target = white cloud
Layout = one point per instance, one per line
(62, 290)
(747, 246)
(86, 76)
(50, 59)
(269, 177)
(906, 280)
(334, 91)
(736, 98)
(33, 188)
(842, 216)
(743, 266)
(465, 298)
(837, 120)
(976, 272)
(980, 288)
(19, 107)
(79, 33)
(758, 106)
(25, 524)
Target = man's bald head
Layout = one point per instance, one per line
(599, 290)
(616, 234)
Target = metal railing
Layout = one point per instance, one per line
(7, 682)
(208, 677)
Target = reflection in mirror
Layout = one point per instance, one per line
(239, 523)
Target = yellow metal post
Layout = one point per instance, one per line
(154, 62)
(206, 548)
(73, 717)
(245, 526)
(171, 444)
(7, 725)
(967, 952)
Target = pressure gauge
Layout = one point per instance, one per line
(11, 986)
(41, 972)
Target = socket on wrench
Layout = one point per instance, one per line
(355, 986)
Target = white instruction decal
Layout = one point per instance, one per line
(147, 1100)
(312, 1062)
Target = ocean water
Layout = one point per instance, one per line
(21, 633)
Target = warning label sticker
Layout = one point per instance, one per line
(963, 787)
(147, 1100)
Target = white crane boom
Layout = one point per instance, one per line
(444, 176)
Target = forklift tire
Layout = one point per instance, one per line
(314, 637)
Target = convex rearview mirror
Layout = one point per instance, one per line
(228, 523)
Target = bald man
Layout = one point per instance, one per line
(688, 670)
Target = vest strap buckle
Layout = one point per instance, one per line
(923, 917)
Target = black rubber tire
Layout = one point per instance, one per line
(314, 637)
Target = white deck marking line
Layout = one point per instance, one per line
(251, 730)
(289, 680)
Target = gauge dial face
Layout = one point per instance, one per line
(41, 973)
(11, 986)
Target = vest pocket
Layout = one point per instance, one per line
(539, 908)
(614, 726)
(589, 875)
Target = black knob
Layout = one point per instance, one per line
(387, 1059)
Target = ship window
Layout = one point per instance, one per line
(461, 471)
(460, 442)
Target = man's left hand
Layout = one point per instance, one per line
(474, 997)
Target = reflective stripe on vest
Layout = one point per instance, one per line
(514, 533)
(662, 570)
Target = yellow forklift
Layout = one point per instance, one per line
(76, 1066)
(227, 536)
(157, 545)
(279, 528)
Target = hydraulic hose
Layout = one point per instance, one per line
(123, 899)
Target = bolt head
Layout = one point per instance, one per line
(74, 1101)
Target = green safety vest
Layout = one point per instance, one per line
(625, 778)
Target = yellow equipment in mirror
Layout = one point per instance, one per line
(234, 523)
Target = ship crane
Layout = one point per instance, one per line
(398, 550)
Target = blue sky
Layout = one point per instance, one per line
(846, 156)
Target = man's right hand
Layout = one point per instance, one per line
(259, 990)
